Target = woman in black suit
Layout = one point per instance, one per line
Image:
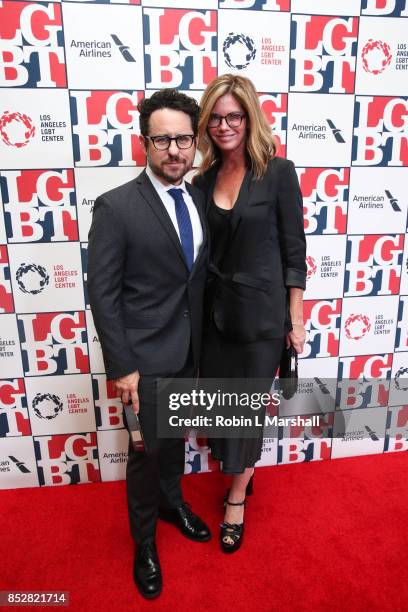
(257, 263)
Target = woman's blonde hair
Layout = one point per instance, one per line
(260, 143)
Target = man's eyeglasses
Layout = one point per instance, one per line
(161, 143)
(233, 120)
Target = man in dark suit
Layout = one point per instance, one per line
(146, 275)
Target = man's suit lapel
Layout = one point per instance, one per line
(152, 198)
(200, 209)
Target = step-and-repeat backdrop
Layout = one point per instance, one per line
(332, 78)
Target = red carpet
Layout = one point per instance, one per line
(328, 535)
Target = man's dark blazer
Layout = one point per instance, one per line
(265, 255)
(146, 305)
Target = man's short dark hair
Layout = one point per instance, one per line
(168, 98)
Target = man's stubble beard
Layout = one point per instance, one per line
(169, 178)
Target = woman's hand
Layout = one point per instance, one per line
(296, 337)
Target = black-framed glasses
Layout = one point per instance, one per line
(161, 143)
(234, 120)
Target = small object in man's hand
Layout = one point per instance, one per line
(134, 428)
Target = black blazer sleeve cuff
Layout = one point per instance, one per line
(118, 372)
(295, 278)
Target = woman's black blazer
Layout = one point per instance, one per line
(265, 254)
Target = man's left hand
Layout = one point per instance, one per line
(127, 389)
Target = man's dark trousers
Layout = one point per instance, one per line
(153, 477)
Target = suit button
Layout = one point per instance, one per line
(186, 314)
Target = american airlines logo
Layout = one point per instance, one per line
(317, 131)
(101, 48)
(371, 433)
(20, 465)
(377, 200)
(336, 132)
(124, 49)
(393, 201)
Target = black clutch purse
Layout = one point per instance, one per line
(288, 372)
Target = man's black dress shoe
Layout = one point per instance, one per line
(146, 570)
(187, 522)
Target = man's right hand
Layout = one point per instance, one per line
(126, 388)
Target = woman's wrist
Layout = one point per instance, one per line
(297, 323)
